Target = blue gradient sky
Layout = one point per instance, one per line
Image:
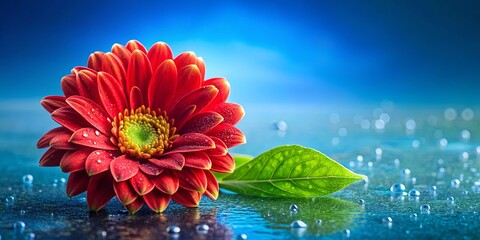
(316, 52)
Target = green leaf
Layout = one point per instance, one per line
(290, 171)
(240, 159)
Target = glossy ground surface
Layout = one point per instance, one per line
(417, 147)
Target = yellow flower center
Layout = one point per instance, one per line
(143, 133)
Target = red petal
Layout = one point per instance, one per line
(77, 183)
(52, 103)
(157, 201)
(201, 67)
(133, 45)
(135, 206)
(199, 98)
(89, 137)
(123, 168)
(62, 141)
(223, 164)
(98, 161)
(87, 84)
(193, 179)
(99, 191)
(158, 53)
(136, 98)
(139, 71)
(91, 112)
(111, 94)
(184, 115)
(167, 182)
(201, 123)
(44, 141)
(229, 134)
(123, 54)
(187, 198)
(69, 85)
(95, 61)
(192, 142)
(125, 192)
(162, 86)
(198, 160)
(69, 118)
(74, 161)
(185, 59)
(231, 112)
(141, 183)
(223, 89)
(114, 66)
(189, 79)
(212, 186)
(150, 168)
(221, 148)
(52, 157)
(173, 161)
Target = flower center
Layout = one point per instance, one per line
(143, 133)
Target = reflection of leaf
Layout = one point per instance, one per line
(240, 159)
(336, 214)
(289, 171)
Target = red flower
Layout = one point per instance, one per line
(142, 126)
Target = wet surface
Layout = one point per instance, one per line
(432, 152)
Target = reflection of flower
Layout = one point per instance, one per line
(142, 126)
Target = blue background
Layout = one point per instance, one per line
(300, 52)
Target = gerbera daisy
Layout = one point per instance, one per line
(142, 126)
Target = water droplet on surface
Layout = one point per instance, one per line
(406, 172)
(414, 193)
(10, 200)
(360, 158)
(450, 200)
(425, 208)
(242, 236)
(397, 188)
(85, 134)
(29, 236)
(361, 201)
(318, 221)
(22, 212)
(455, 183)
(387, 220)
(102, 234)
(465, 134)
(413, 216)
(396, 162)
(346, 233)
(463, 156)
(415, 143)
(94, 143)
(443, 142)
(27, 179)
(298, 224)
(173, 230)
(294, 208)
(464, 192)
(202, 228)
(99, 161)
(281, 126)
(63, 180)
(19, 226)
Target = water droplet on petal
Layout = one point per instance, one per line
(94, 143)
(99, 161)
(19, 226)
(85, 134)
(294, 208)
(27, 179)
(202, 228)
(173, 230)
(298, 224)
(97, 133)
(10, 200)
(397, 188)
